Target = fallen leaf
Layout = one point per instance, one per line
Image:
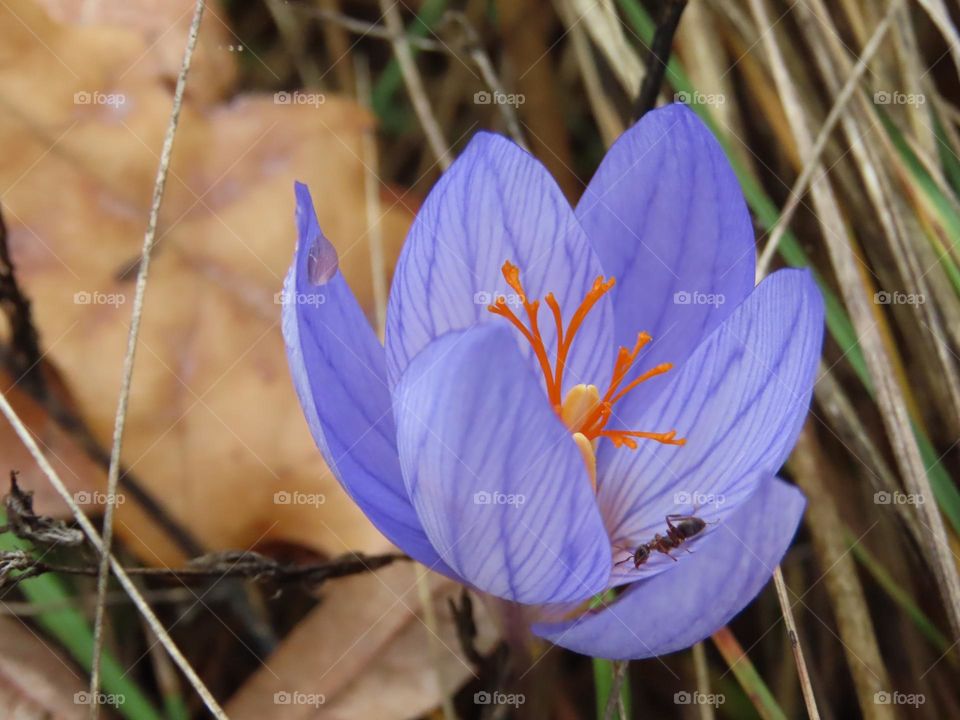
(36, 682)
(163, 24)
(82, 476)
(365, 652)
(214, 430)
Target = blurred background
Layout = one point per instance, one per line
(841, 120)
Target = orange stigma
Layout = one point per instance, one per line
(583, 410)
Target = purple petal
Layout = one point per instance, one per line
(496, 478)
(339, 372)
(495, 203)
(701, 593)
(666, 215)
(740, 401)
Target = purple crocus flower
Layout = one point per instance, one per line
(555, 383)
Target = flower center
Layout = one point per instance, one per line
(583, 409)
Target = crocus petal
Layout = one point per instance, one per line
(339, 372)
(495, 203)
(665, 214)
(739, 401)
(496, 478)
(700, 594)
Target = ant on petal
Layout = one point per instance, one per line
(680, 528)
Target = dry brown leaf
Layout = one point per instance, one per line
(82, 476)
(36, 682)
(364, 652)
(214, 428)
(163, 25)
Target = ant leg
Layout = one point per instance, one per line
(673, 535)
(672, 529)
(627, 559)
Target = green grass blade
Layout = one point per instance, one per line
(948, 155)
(73, 632)
(603, 671)
(736, 704)
(747, 675)
(176, 708)
(899, 596)
(603, 683)
(932, 196)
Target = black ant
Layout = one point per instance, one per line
(686, 527)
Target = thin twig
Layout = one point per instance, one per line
(703, 680)
(437, 649)
(608, 120)
(474, 49)
(366, 29)
(658, 57)
(91, 532)
(813, 160)
(248, 565)
(802, 671)
(292, 32)
(128, 361)
(620, 668)
(857, 633)
(337, 43)
(371, 191)
(414, 83)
